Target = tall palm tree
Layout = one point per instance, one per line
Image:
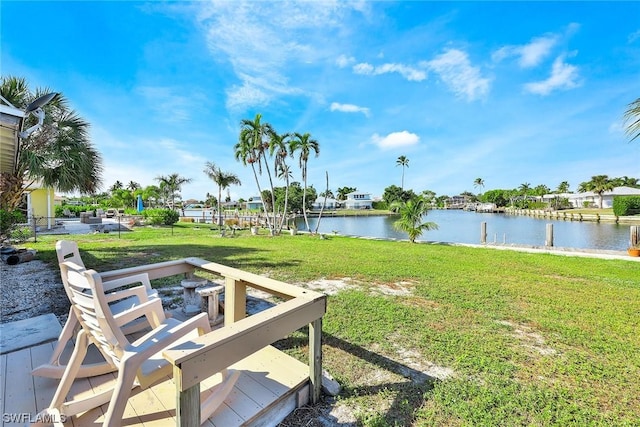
(599, 184)
(279, 145)
(479, 182)
(304, 144)
(172, 184)
(632, 119)
(404, 162)
(411, 213)
(251, 148)
(59, 155)
(224, 180)
(116, 186)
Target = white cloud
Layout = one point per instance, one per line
(529, 55)
(167, 105)
(563, 76)
(349, 108)
(395, 140)
(263, 41)
(409, 73)
(344, 61)
(455, 70)
(634, 36)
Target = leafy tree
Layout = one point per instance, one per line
(224, 180)
(404, 162)
(172, 184)
(151, 194)
(599, 184)
(304, 144)
(632, 119)
(411, 214)
(121, 198)
(541, 190)
(499, 197)
(393, 193)
(60, 154)
(343, 191)
(524, 189)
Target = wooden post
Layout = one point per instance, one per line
(549, 239)
(483, 232)
(187, 402)
(235, 300)
(634, 235)
(315, 359)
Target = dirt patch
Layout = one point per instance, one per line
(331, 287)
(529, 338)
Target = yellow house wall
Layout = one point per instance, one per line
(41, 199)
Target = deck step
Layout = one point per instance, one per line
(25, 333)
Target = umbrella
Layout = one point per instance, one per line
(140, 205)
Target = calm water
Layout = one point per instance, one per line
(458, 226)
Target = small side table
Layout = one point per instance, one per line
(211, 295)
(191, 300)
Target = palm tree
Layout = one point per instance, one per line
(598, 184)
(411, 213)
(479, 182)
(172, 184)
(251, 148)
(563, 187)
(404, 162)
(60, 155)
(224, 180)
(632, 119)
(279, 144)
(305, 145)
(116, 186)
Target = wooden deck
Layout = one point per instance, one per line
(271, 386)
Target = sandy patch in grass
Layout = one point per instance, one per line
(331, 287)
(394, 289)
(529, 338)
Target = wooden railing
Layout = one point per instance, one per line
(241, 336)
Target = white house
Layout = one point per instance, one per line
(254, 203)
(578, 200)
(358, 200)
(329, 204)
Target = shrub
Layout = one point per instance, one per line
(161, 216)
(626, 205)
(9, 220)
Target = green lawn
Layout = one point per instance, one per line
(518, 338)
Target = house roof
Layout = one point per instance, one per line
(617, 191)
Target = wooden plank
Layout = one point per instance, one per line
(19, 391)
(235, 300)
(155, 271)
(44, 387)
(214, 351)
(315, 359)
(276, 412)
(150, 406)
(266, 284)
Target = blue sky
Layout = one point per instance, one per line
(513, 92)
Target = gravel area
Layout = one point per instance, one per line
(30, 289)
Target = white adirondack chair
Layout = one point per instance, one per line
(119, 300)
(139, 363)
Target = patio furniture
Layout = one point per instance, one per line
(119, 300)
(139, 363)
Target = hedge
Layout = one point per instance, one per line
(626, 205)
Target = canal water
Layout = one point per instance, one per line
(457, 226)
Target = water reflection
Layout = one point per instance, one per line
(464, 227)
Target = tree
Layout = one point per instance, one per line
(632, 119)
(411, 213)
(524, 189)
(224, 180)
(541, 190)
(172, 184)
(598, 184)
(304, 144)
(251, 149)
(393, 193)
(279, 144)
(479, 182)
(343, 191)
(404, 162)
(563, 187)
(59, 155)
